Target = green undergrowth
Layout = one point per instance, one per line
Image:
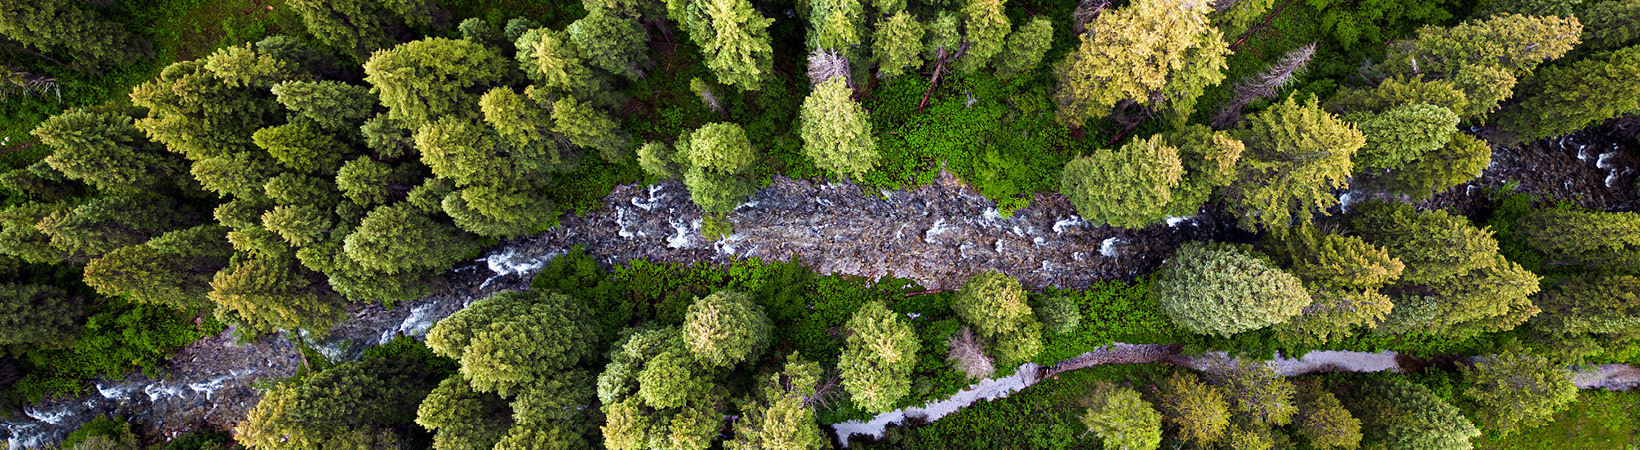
(1599, 420)
(116, 338)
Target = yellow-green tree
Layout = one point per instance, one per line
(836, 131)
(878, 358)
(1147, 51)
(1296, 156)
(1129, 187)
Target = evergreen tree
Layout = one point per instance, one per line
(944, 36)
(614, 42)
(1399, 91)
(836, 25)
(996, 304)
(1196, 411)
(106, 150)
(68, 27)
(1223, 289)
(38, 314)
(303, 147)
(359, 404)
(1333, 260)
(1587, 238)
(1060, 314)
(586, 126)
(1148, 50)
(1122, 419)
(1610, 24)
(733, 37)
(1402, 134)
(558, 67)
(837, 131)
(516, 341)
(1433, 244)
(985, 27)
(876, 363)
(196, 114)
(1025, 48)
(1494, 297)
(104, 224)
(174, 269)
(655, 394)
(1401, 414)
(1483, 58)
(1518, 390)
(424, 80)
(1463, 158)
(267, 293)
(397, 238)
(1608, 304)
(1257, 394)
(1324, 422)
(1296, 156)
(725, 328)
(1209, 159)
(463, 418)
(1129, 187)
(336, 106)
(1563, 99)
(897, 44)
(783, 420)
(718, 157)
(358, 27)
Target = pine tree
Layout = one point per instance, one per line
(944, 37)
(1518, 390)
(424, 80)
(586, 126)
(1610, 24)
(1514, 43)
(1494, 297)
(1296, 156)
(1563, 99)
(613, 42)
(303, 147)
(1129, 187)
(174, 269)
(996, 304)
(1333, 260)
(1122, 419)
(725, 328)
(196, 114)
(1024, 49)
(1402, 134)
(558, 67)
(837, 131)
(1432, 244)
(1463, 158)
(1406, 414)
(733, 37)
(336, 106)
(67, 27)
(1608, 304)
(1195, 411)
(358, 27)
(985, 27)
(358, 404)
(1256, 393)
(783, 420)
(897, 44)
(515, 342)
(1134, 53)
(1323, 421)
(397, 238)
(1223, 289)
(1586, 238)
(267, 293)
(38, 314)
(463, 418)
(876, 363)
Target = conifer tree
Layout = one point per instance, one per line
(38, 314)
(1602, 304)
(985, 28)
(1148, 50)
(174, 269)
(463, 418)
(1197, 412)
(734, 38)
(725, 328)
(1409, 415)
(1402, 134)
(1209, 159)
(837, 131)
(1432, 244)
(614, 42)
(397, 239)
(357, 404)
(1128, 187)
(515, 342)
(1296, 155)
(783, 420)
(424, 80)
(897, 44)
(996, 304)
(1518, 390)
(1323, 421)
(1463, 158)
(944, 37)
(264, 293)
(1224, 289)
(358, 27)
(336, 106)
(1586, 238)
(1610, 24)
(1256, 393)
(1024, 49)
(1122, 419)
(67, 27)
(104, 224)
(878, 358)
(106, 150)
(1562, 99)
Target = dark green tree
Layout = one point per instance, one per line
(1323, 421)
(1401, 414)
(463, 418)
(516, 341)
(996, 304)
(1402, 134)
(1602, 304)
(1563, 99)
(1256, 393)
(614, 42)
(336, 106)
(424, 80)
(1432, 244)
(397, 238)
(1024, 49)
(369, 403)
(174, 269)
(70, 28)
(38, 314)
(1586, 238)
(103, 224)
(105, 149)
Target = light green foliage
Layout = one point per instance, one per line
(334, 105)
(300, 225)
(613, 42)
(296, 189)
(1122, 419)
(1129, 187)
(783, 420)
(1485, 87)
(1236, 18)
(463, 418)
(659, 160)
(174, 269)
(1333, 314)
(1563, 99)
(726, 328)
(358, 27)
(269, 293)
(655, 394)
(1024, 49)
(353, 405)
(366, 182)
(106, 150)
(943, 34)
(499, 211)
(1433, 244)
(1463, 158)
(1514, 43)
(1587, 238)
(196, 114)
(1494, 297)
(1223, 289)
(423, 80)
(37, 314)
(877, 361)
(464, 152)
(516, 341)
(241, 175)
(985, 27)
(1590, 304)
(1136, 52)
(1402, 134)
(1518, 390)
(1209, 158)
(103, 224)
(526, 129)
(557, 66)
(585, 125)
(1401, 414)
(1195, 411)
(897, 44)
(719, 147)
(397, 238)
(1257, 394)
(733, 37)
(1336, 261)
(67, 27)
(1610, 24)
(1323, 421)
(303, 147)
(1059, 314)
(1296, 156)
(837, 25)
(837, 131)
(1398, 91)
(995, 303)
(389, 137)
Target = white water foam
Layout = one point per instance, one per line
(1107, 247)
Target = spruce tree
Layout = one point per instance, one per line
(1463, 158)
(836, 131)
(514, 341)
(726, 328)
(1518, 390)
(70, 28)
(1562, 99)
(1406, 414)
(897, 44)
(174, 269)
(1223, 289)
(1129, 187)
(613, 42)
(1296, 156)
(1402, 134)
(985, 27)
(1122, 419)
(877, 361)
(38, 314)
(1195, 411)
(1145, 51)
(105, 149)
